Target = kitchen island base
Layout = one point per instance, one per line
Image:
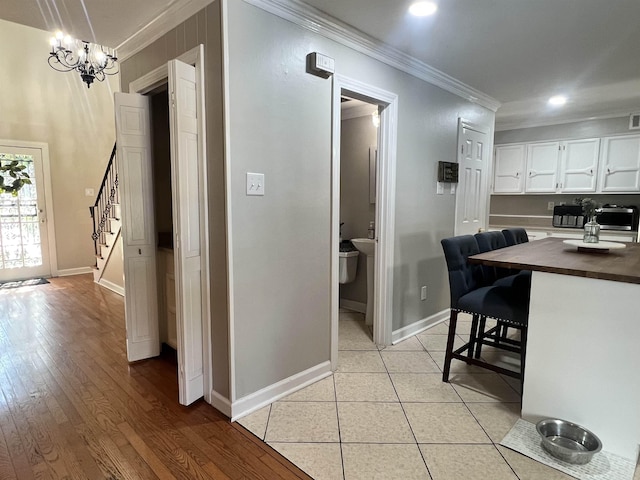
(583, 357)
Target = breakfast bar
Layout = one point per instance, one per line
(583, 337)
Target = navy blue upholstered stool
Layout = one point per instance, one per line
(515, 236)
(471, 294)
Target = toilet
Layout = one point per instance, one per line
(348, 266)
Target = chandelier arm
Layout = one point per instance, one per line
(62, 67)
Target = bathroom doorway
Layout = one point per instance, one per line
(375, 195)
(359, 123)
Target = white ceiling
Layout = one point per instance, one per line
(518, 51)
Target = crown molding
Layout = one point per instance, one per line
(521, 124)
(174, 15)
(312, 19)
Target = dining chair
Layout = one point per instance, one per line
(469, 295)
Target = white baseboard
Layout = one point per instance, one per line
(221, 403)
(111, 286)
(73, 271)
(419, 326)
(270, 394)
(353, 305)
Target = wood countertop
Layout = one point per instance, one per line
(553, 256)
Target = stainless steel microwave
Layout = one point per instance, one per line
(616, 217)
(610, 217)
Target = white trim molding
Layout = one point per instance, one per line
(353, 305)
(419, 326)
(174, 15)
(67, 272)
(314, 20)
(255, 401)
(220, 403)
(111, 286)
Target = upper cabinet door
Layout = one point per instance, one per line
(508, 169)
(620, 171)
(542, 167)
(579, 165)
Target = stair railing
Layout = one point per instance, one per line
(107, 197)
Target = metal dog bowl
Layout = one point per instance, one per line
(567, 441)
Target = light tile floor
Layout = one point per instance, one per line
(386, 414)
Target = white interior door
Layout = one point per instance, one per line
(24, 244)
(133, 140)
(188, 201)
(473, 187)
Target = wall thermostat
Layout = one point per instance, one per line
(320, 65)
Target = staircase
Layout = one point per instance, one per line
(106, 215)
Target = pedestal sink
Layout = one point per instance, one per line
(368, 247)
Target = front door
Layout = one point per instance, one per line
(24, 247)
(473, 187)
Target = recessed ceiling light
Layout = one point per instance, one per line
(558, 100)
(423, 9)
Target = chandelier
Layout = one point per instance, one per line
(92, 61)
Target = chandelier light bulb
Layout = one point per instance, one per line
(59, 35)
(68, 40)
(53, 42)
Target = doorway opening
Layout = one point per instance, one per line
(359, 123)
(161, 150)
(379, 186)
(163, 219)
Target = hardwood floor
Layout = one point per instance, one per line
(71, 406)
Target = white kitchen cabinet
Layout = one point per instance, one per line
(620, 165)
(508, 169)
(542, 167)
(579, 165)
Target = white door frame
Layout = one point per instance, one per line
(462, 125)
(48, 197)
(143, 85)
(385, 207)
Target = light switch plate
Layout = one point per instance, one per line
(255, 183)
(439, 188)
(88, 192)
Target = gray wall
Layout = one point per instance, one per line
(205, 28)
(357, 135)
(537, 204)
(280, 125)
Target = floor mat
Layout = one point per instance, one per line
(24, 283)
(523, 438)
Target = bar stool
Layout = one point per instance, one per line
(515, 236)
(469, 295)
(520, 281)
